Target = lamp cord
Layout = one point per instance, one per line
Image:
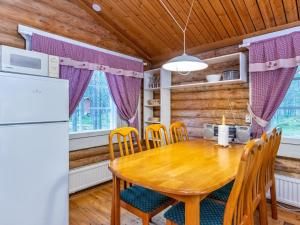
(186, 24)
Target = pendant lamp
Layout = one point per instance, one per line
(183, 64)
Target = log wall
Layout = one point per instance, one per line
(198, 105)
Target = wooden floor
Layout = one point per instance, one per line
(92, 207)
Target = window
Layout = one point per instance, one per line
(96, 110)
(288, 114)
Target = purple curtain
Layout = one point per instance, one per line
(125, 92)
(124, 85)
(273, 64)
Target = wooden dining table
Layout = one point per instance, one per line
(186, 171)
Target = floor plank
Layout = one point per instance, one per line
(92, 207)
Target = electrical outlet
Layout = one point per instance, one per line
(248, 118)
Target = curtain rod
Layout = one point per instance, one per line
(248, 41)
(26, 31)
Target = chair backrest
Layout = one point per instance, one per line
(239, 205)
(178, 132)
(124, 136)
(157, 132)
(274, 139)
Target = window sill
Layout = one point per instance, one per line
(289, 147)
(291, 141)
(87, 134)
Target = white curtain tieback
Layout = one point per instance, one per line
(261, 122)
(131, 120)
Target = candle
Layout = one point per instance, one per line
(223, 133)
(223, 120)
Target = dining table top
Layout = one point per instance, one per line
(196, 167)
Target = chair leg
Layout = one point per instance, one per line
(112, 215)
(169, 222)
(273, 199)
(263, 210)
(146, 219)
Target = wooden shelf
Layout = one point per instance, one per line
(152, 89)
(152, 105)
(148, 121)
(203, 84)
(223, 58)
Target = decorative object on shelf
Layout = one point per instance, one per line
(213, 77)
(183, 64)
(154, 102)
(154, 82)
(231, 75)
(223, 134)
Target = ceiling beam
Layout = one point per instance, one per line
(112, 28)
(157, 61)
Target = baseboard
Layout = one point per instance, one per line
(88, 176)
(287, 190)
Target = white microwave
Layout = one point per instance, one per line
(15, 60)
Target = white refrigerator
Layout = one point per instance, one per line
(34, 145)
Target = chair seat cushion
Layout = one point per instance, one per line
(211, 213)
(223, 193)
(143, 199)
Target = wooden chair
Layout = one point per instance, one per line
(140, 201)
(258, 192)
(157, 139)
(275, 139)
(178, 132)
(238, 209)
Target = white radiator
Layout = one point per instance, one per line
(88, 176)
(287, 190)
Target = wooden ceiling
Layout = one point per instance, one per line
(146, 26)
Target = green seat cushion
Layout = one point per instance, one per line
(143, 199)
(223, 193)
(211, 213)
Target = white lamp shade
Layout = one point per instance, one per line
(185, 63)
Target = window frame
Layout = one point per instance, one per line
(285, 140)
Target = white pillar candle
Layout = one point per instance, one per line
(223, 135)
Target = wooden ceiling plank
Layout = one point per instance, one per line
(255, 14)
(159, 31)
(234, 17)
(156, 40)
(127, 25)
(181, 11)
(202, 29)
(278, 11)
(112, 29)
(206, 22)
(157, 61)
(221, 13)
(267, 13)
(244, 15)
(291, 10)
(155, 11)
(197, 23)
(214, 18)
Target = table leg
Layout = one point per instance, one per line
(192, 211)
(115, 212)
